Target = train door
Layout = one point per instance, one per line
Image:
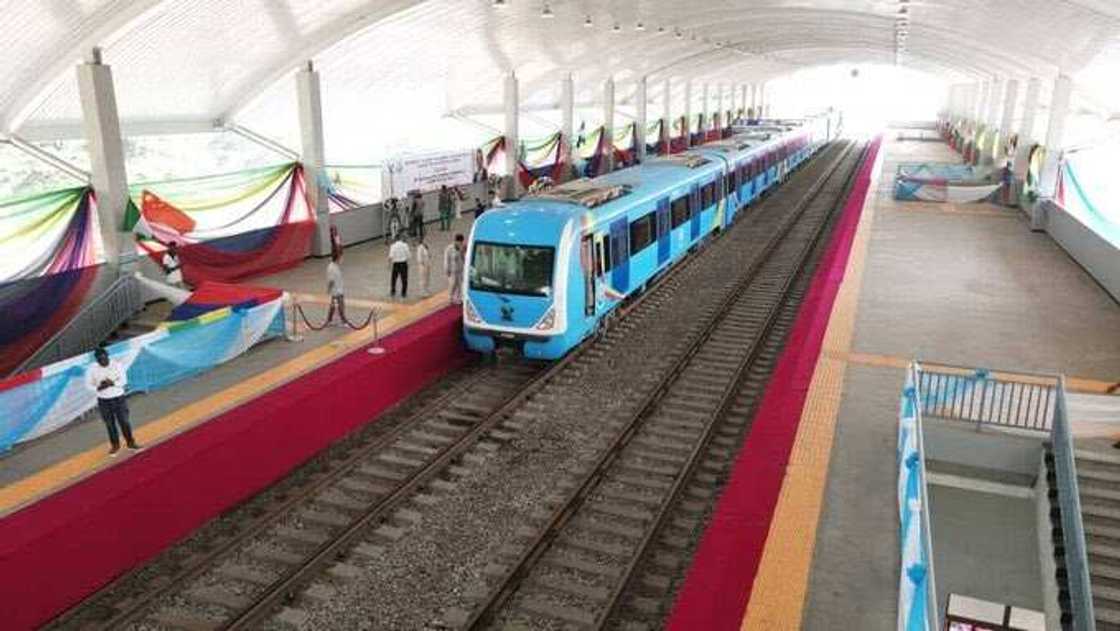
(663, 231)
(620, 255)
(696, 210)
(587, 264)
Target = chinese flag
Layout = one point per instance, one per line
(155, 210)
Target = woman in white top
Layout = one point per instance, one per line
(336, 289)
(424, 263)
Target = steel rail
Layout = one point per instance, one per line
(510, 582)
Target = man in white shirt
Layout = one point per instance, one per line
(107, 379)
(399, 254)
(453, 266)
(335, 288)
(172, 267)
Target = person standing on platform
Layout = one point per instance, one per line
(459, 199)
(495, 199)
(424, 267)
(399, 254)
(453, 266)
(417, 215)
(107, 379)
(335, 288)
(479, 208)
(172, 266)
(445, 208)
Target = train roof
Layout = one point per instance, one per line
(604, 197)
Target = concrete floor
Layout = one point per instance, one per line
(973, 529)
(366, 275)
(960, 284)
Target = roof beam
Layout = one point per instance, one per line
(69, 130)
(102, 33)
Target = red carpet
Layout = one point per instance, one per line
(715, 594)
(56, 552)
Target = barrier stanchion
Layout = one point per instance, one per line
(376, 348)
(294, 336)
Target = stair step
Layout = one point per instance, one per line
(1097, 456)
(1097, 475)
(1101, 529)
(1100, 492)
(1104, 510)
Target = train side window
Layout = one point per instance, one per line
(599, 257)
(606, 253)
(708, 195)
(679, 210)
(641, 233)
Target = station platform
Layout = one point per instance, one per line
(69, 509)
(41, 467)
(961, 284)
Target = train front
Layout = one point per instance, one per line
(515, 287)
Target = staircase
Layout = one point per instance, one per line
(1098, 478)
(1095, 419)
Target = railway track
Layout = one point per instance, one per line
(318, 524)
(578, 568)
(373, 492)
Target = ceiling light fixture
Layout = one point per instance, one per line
(547, 13)
(661, 30)
(499, 3)
(587, 23)
(616, 28)
(678, 34)
(639, 26)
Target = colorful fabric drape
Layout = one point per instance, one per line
(943, 182)
(350, 187)
(46, 399)
(56, 239)
(259, 222)
(913, 587)
(1087, 189)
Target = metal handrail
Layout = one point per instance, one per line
(933, 609)
(93, 323)
(1073, 532)
(1025, 401)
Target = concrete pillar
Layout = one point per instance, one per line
(567, 114)
(1026, 127)
(995, 100)
(642, 121)
(688, 113)
(666, 116)
(312, 154)
(717, 120)
(762, 100)
(706, 109)
(746, 103)
(1055, 133)
(512, 137)
(754, 100)
(106, 153)
(608, 123)
(978, 116)
(1010, 100)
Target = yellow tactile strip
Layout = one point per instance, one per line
(79, 466)
(778, 597)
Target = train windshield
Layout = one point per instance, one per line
(512, 269)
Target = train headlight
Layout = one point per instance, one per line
(547, 322)
(470, 314)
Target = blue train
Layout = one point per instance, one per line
(547, 271)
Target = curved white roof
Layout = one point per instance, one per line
(183, 64)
